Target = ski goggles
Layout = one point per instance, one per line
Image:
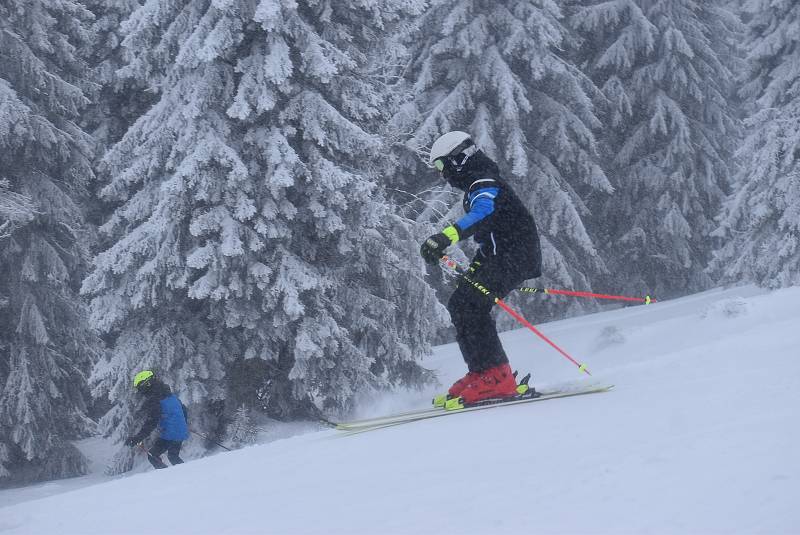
(467, 148)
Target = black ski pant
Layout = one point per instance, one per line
(173, 449)
(470, 312)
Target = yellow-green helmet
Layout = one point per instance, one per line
(142, 378)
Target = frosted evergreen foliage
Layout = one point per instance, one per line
(16, 210)
(46, 347)
(118, 101)
(761, 225)
(664, 69)
(250, 224)
(493, 69)
(242, 431)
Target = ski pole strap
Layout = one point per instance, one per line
(572, 293)
(452, 264)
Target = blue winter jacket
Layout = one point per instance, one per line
(163, 409)
(173, 422)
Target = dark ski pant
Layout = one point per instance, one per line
(173, 449)
(470, 312)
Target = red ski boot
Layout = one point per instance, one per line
(462, 383)
(497, 382)
(455, 391)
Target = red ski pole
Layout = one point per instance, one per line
(452, 264)
(551, 291)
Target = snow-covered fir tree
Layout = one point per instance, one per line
(495, 69)
(46, 346)
(242, 431)
(118, 101)
(668, 135)
(252, 232)
(761, 223)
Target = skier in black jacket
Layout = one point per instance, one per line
(161, 408)
(509, 253)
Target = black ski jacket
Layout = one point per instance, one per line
(495, 217)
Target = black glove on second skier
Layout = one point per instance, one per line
(132, 441)
(433, 248)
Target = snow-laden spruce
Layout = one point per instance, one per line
(493, 69)
(668, 135)
(46, 346)
(250, 233)
(118, 100)
(242, 431)
(761, 226)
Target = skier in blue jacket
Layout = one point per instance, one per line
(161, 408)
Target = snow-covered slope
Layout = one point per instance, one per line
(700, 436)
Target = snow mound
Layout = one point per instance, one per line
(727, 308)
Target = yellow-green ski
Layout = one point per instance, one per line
(413, 416)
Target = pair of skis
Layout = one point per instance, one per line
(369, 424)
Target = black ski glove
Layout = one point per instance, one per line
(132, 441)
(433, 248)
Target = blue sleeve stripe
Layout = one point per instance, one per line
(491, 192)
(483, 194)
(481, 206)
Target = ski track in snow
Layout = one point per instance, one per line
(699, 436)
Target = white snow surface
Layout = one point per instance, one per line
(700, 435)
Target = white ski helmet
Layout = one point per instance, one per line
(450, 143)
